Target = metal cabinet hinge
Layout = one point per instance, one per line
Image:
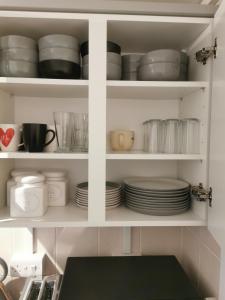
(202, 194)
(203, 54)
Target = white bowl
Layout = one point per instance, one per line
(114, 71)
(112, 57)
(30, 55)
(162, 55)
(17, 41)
(59, 40)
(14, 68)
(159, 71)
(59, 53)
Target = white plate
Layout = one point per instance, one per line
(156, 183)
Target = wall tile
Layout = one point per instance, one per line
(190, 255)
(161, 241)
(135, 241)
(209, 272)
(45, 242)
(110, 241)
(75, 242)
(207, 239)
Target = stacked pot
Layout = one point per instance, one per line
(18, 56)
(59, 56)
(130, 65)
(114, 65)
(163, 64)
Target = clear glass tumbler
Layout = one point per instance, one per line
(145, 136)
(154, 136)
(190, 136)
(63, 126)
(171, 140)
(80, 132)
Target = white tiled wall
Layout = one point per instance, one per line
(195, 248)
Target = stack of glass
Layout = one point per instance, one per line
(71, 131)
(172, 136)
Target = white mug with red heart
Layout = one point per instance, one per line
(9, 137)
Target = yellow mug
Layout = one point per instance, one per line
(121, 140)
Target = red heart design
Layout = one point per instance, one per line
(6, 137)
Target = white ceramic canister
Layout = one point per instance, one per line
(29, 196)
(57, 184)
(11, 181)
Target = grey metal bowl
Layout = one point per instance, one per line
(130, 76)
(59, 53)
(14, 68)
(112, 57)
(59, 40)
(162, 55)
(131, 67)
(113, 71)
(17, 41)
(85, 71)
(130, 58)
(159, 71)
(30, 55)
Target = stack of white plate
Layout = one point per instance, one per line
(18, 56)
(157, 196)
(112, 195)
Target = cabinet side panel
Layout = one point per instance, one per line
(6, 116)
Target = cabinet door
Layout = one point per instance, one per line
(217, 135)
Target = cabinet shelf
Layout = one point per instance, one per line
(122, 216)
(42, 87)
(139, 155)
(42, 155)
(155, 90)
(73, 216)
(70, 215)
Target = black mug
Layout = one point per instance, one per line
(34, 136)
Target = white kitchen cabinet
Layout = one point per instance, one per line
(113, 104)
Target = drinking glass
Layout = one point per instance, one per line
(154, 135)
(63, 126)
(190, 136)
(145, 136)
(171, 139)
(79, 142)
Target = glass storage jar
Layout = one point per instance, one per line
(28, 197)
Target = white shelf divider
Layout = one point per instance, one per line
(43, 87)
(42, 155)
(155, 90)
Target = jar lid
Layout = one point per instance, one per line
(21, 172)
(29, 179)
(54, 174)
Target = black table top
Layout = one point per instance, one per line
(126, 278)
